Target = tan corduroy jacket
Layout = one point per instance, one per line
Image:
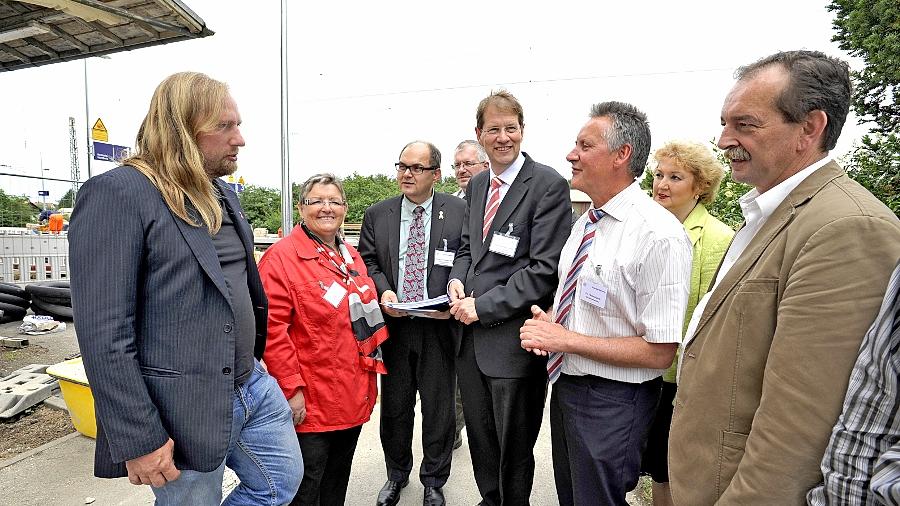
(763, 378)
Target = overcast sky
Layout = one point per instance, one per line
(367, 77)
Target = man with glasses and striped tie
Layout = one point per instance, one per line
(517, 219)
(617, 315)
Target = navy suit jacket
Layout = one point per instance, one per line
(538, 206)
(155, 323)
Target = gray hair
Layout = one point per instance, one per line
(629, 126)
(816, 82)
(480, 153)
(434, 157)
(325, 178)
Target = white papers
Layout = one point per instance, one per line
(428, 305)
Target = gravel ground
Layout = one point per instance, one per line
(40, 424)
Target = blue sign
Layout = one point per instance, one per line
(43, 193)
(110, 152)
(237, 187)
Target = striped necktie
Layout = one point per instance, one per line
(492, 204)
(566, 300)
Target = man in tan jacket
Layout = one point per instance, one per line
(770, 348)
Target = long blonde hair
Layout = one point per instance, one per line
(183, 106)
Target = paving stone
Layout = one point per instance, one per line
(24, 388)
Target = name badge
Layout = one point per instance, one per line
(335, 294)
(444, 258)
(504, 244)
(593, 293)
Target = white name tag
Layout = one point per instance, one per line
(593, 293)
(505, 245)
(335, 294)
(444, 258)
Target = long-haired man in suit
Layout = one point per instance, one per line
(171, 313)
(408, 243)
(517, 220)
(769, 349)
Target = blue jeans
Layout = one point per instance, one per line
(263, 452)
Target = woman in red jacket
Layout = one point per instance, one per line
(324, 329)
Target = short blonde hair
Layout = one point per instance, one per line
(700, 161)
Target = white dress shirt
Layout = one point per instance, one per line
(507, 176)
(642, 256)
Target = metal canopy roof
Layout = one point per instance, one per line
(40, 32)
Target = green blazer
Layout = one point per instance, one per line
(710, 238)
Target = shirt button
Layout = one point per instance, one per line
(228, 328)
(226, 371)
(477, 273)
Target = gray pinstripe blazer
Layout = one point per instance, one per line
(154, 323)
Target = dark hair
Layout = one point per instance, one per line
(434, 156)
(503, 100)
(629, 126)
(816, 82)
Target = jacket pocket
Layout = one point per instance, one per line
(159, 372)
(731, 451)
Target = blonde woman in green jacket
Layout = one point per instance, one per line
(686, 177)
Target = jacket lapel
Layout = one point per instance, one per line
(200, 243)
(478, 199)
(783, 215)
(437, 230)
(517, 191)
(393, 232)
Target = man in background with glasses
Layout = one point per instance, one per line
(408, 243)
(515, 227)
(469, 159)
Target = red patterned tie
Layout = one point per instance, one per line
(492, 204)
(554, 360)
(414, 268)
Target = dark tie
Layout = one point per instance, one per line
(554, 360)
(414, 268)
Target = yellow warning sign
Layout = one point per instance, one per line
(99, 132)
(241, 180)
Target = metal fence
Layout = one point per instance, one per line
(28, 258)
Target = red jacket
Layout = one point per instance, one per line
(310, 343)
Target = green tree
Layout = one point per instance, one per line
(15, 211)
(262, 206)
(67, 200)
(363, 191)
(875, 164)
(870, 29)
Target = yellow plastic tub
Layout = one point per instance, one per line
(77, 393)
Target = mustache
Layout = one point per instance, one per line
(737, 153)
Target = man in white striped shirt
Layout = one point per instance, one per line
(618, 333)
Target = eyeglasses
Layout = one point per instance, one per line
(466, 165)
(495, 131)
(415, 169)
(323, 203)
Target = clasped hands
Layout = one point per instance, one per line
(461, 307)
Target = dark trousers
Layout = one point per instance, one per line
(503, 419)
(598, 428)
(326, 459)
(417, 361)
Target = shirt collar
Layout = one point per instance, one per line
(409, 206)
(509, 175)
(758, 207)
(617, 206)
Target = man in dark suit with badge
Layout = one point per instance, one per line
(409, 243)
(518, 218)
